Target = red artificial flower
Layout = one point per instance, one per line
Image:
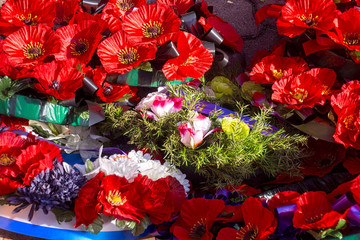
(260, 222)
(194, 59)
(79, 41)
(273, 68)
(117, 55)
(299, 15)
(282, 199)
(350, 93)
(86, 204)
(109, 92)
(8, 185)
(355, 189)
(305, 89)
(231, 214)
(59, 79)
(340, 190)
(114, 23)
(324, 156)
(348, 127)
(118, 199)
(10, 149)
(162, 198)
(36, 158)
(14, 123)
(347, 30)
(352, 161)
(18, 13)
(315, 212)
(196, 217)
(231, 38)
(179, 6)
(150, 23)
(65, 11)
(123, 7)
(31, 45)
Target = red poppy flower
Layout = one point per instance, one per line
(79, 41)
(259, 222)
(324, 157)
(10, 149)
(150, 23)
(231, 214)
(350, 93)
(347, 30)
(352, 161)
(14, 123)
(273, 68)
(114, 23)
(86, 204)
(123, 7)
(348, 127)
(109, 92)
(59, 79)
(195, 219)
(355, 189)
(299, 15)
(162, 198)
(315, 212)
(118, 199)
(65, 11)
(18, 13)
(36, 158)
(340, 190)
(8, 185)
(31, 45)
(282, 199)
(305, 89)
(117, 55)
(179, 6)
(194, 59)
(231, 38)
(84, 16)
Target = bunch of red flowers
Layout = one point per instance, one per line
(115, 196)
(54, 41)
(22, 158)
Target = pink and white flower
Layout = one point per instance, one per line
(193, 133)
(162, 106)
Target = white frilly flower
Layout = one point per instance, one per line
(136, 162)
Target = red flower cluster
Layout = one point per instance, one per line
(195, 220)
(115, 196)
(21, 159)
(305, 89)
(346, 107)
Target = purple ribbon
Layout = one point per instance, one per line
(342, 204)
(354, 215)
(285, 215)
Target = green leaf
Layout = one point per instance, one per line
(5, 85)
(146, 66)
(96, 226)
(39, 130)
(122, 224)
(341, 224)
(63, 215)
(141, 227)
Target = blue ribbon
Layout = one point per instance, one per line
(61, 234)
(285, 216)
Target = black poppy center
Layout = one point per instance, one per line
(34, 51)
(107, 90)
(250, 234)
(351, 38)
(198, 230)
(55, 85)
(81, 47)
